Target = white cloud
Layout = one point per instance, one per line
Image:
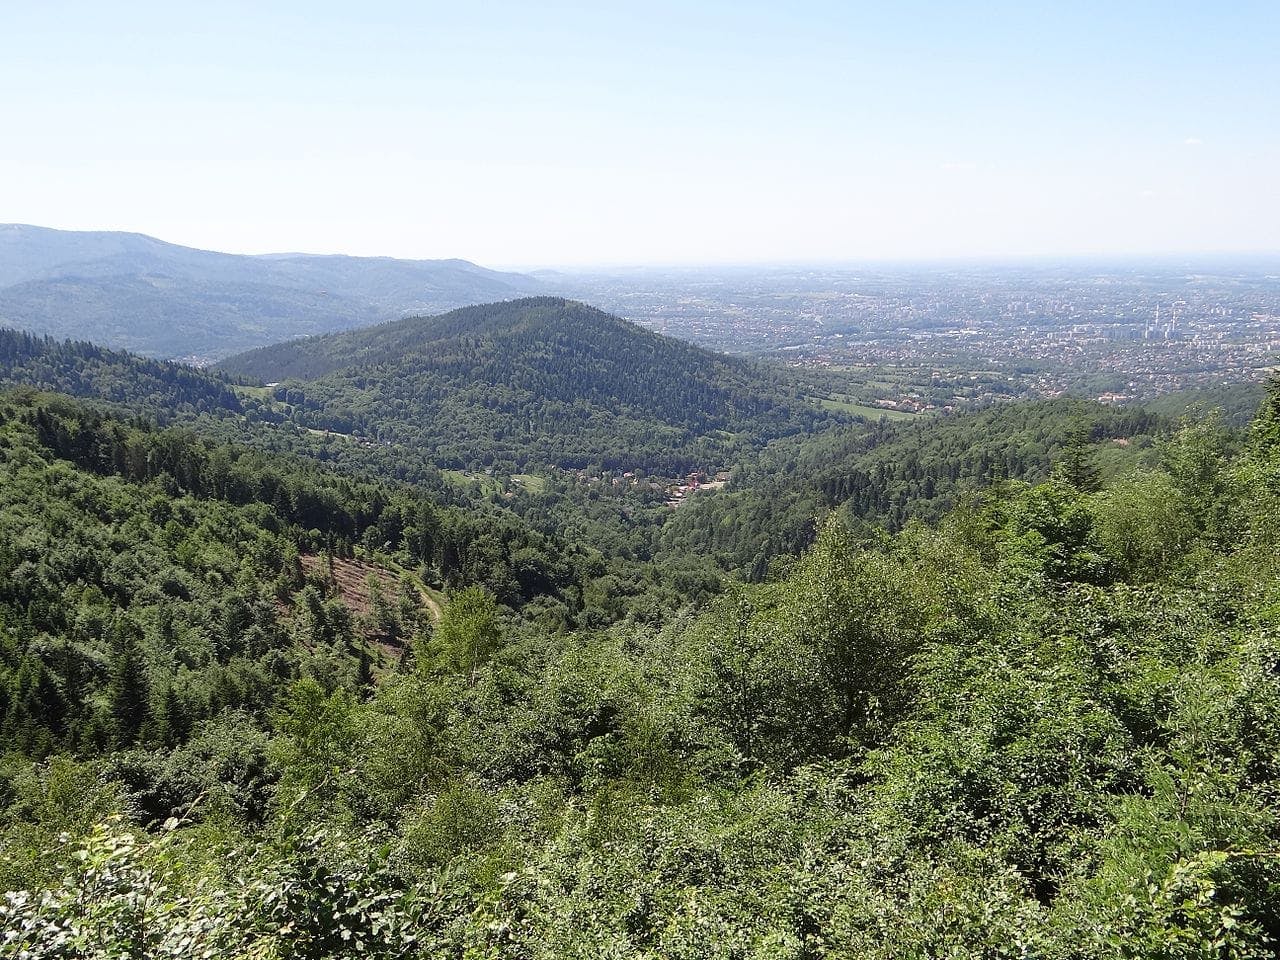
(1192, 142)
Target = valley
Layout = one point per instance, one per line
(460, 602)
(666, 481)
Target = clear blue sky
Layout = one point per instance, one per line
(562, 133)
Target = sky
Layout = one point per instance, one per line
(568, 134)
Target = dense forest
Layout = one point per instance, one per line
(128, 382)
(532, 382)
(1042, 724)
(892, 472)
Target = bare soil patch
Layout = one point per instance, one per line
(350, 580)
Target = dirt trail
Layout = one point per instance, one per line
(433, 608)
(428, 600)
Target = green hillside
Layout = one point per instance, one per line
(529, 382)
(1045, 726)
(128, 382)
(889, 473)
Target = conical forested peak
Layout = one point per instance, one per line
(571, 324)
(540, 380)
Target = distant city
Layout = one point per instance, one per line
(939, 338)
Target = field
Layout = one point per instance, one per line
(843, 404)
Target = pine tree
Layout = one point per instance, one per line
(128, 692)
(1078, 466)
(364, 670)
(171, 723)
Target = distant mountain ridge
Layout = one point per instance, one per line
(131, 291)
(532, 381)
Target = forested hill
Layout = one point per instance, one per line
(539, 380)
(893, 472)
(157, 388)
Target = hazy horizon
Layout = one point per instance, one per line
(1258, 258)
(570, 135)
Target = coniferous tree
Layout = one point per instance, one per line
(171, 721)
(129, 691)
(1078, 466)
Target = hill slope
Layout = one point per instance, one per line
(216, 565)
(159, 389)
(132, 291)
(891, 473)
(539, 380)
(1047, 727)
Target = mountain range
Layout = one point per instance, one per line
(134, 292)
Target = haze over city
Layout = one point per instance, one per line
(575, 134)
